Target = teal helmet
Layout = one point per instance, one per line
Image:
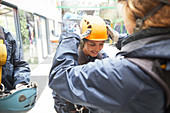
(20, 101)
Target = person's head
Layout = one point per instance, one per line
(92, 47)
(94, 41)
(138, 9)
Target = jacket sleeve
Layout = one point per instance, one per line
(21, 68)
(98, 84)
(104, 54)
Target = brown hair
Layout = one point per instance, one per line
(82, 42)
(141, 7)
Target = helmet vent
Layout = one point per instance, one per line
(22, 98)
(26, 106)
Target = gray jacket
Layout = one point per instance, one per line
(112, 85)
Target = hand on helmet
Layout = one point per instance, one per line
(76, 29)
(113, 34)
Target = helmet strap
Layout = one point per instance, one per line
(86, 33)
(140, 21)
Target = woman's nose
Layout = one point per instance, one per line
(97, 48)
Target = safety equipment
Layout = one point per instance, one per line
(140, 21)
(3, 53)
(3, 58)
(165, 1)
(93, 28)
(20, 100)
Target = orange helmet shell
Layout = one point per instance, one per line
(97, 26)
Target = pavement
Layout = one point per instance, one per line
(45, 102)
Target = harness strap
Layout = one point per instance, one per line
(0, 75)
(2, 37)
(3, 53)
(146, 65)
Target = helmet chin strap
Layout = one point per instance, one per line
(140, 21)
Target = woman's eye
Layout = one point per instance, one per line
(92, 44)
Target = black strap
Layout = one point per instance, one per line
(146, 65)
(140, 21)
(2, 37)
(153, 11)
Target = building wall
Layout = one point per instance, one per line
(41, 19)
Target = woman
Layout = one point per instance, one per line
(117, 85)
(92, 43)
(89, 50)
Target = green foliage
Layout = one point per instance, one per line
(24, 31)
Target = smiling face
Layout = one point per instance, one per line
(92, 48)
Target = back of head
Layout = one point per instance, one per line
(147, 10)
(97, 26)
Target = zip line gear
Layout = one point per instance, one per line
(97, 26)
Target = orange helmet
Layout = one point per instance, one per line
(97, 26)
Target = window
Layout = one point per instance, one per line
(7, 19)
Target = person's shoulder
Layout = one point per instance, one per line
(118, 62)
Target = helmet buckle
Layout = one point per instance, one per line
(139, 24)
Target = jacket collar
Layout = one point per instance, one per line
(146, 33)
(150, 43)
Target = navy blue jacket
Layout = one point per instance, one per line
(15, 70)
(112, 85)
(60, 104)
